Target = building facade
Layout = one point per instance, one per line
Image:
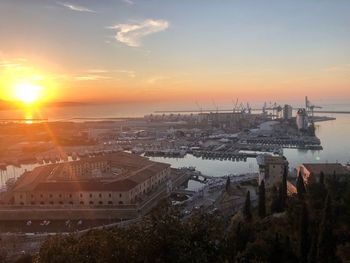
(271, 169)
(115, 179)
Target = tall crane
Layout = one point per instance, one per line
(310, 107)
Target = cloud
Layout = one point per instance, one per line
(338, 68)
(132, 34)
(130, 73)
(77, 8)
(129, 2)
(18, 63)
(101, 72)
(156, 79)
(91, 77)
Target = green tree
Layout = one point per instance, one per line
(228, 185)
(284, 187)
(247, 213)
(326, 242)
(303, 234)
(262, 200)
(301, 190)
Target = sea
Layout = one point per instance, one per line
(334, 136)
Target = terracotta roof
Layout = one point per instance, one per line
(75, 186)
(47, 178)
(326, 168)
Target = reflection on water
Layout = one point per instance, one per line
(334, 136)
(211, 167)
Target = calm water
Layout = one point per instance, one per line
(334, 136)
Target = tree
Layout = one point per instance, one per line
(303, 234)
(300, 186)
(228, 185)
(326, 242)
(247, 208)
(262, 200)
(311, 258)
(284, 186)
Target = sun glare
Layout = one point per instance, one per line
(28, 93)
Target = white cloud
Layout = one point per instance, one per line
(338, 68)
(132, 34)
(91, 77)
(130, 73)
(129, 2)
(77, 8)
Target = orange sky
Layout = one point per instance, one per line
(138, 52)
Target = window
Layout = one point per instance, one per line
(81, 202)
(51, 203)
(120, 202)
(32, 203)
(60, 202)
(41, 196)
(81, 195)
(42, 203)
(22, 203)
(50, 195)
(110, 195)
(70, 202)
(101, 203)
(110, 202)
(60, 195)
(100, 195)
(70, 195)
(90, 195)
(32, 196)
(120, 195)
(20, 196)
(91, 203)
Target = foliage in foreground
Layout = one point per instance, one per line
(314, 228)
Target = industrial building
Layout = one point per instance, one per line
(302, 119)
(287, 112)
(114, 179)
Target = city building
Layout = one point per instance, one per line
(287, 112)
(302, 119)
(109, 180)
(271, 169)
(311, 171)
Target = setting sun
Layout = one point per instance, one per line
(27, 92)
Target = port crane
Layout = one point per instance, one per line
(310, 107)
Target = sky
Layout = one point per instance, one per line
(176, 50)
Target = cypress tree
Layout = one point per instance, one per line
(311, 258)
(280, 201)
(300, 186)
(262, 200)
(326, 244)
(303, 234)
(321, 181)
(284, 186)
(247, 209)
(228, 185)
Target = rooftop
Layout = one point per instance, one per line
(48, 178)
(326, 168)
